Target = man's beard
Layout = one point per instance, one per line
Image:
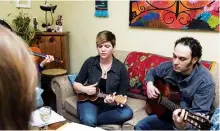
(188, 66)
(190, 63)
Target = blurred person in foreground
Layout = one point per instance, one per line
(18, 80)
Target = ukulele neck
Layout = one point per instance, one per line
(102, 95)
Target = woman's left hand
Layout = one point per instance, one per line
(110, 99)
(124, 100)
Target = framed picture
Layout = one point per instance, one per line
(175, 14)
(23, 3)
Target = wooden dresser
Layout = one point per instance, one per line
(56, 44)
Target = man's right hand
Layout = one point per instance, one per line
(91, 89)
(152, 91)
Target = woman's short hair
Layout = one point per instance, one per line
(18, 80)
(105, 36)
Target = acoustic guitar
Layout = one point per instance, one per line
(169, 100)
(83, 97)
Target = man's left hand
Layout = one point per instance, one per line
(178, 119)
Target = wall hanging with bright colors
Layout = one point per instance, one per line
(175, 14)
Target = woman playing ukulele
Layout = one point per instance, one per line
(108, 74)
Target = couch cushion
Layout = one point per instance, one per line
(210, 65)
(137, 116)
(121, 55)
(139, 112)
(135, 104)
(216, 76)
(70, 105)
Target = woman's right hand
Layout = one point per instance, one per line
(91, 89)
(152, 91)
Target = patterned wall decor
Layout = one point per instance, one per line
(101, 8)
(175, 14)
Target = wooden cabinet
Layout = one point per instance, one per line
(56, 44)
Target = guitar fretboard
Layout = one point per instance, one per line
(168, 104)
(38, 54)
(194, 119)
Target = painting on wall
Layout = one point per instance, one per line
(175, 14)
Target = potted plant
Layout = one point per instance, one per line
(21, 25)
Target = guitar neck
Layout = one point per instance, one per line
(193, 119)
(198, 121)
(168, 104)
(44, 56)
(38, 54)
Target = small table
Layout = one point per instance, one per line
(57, 125)
(77, 127)
(53, 126)
(55, 121)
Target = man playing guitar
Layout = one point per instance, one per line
(195, 84)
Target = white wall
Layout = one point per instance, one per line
(9, 7)
(83, 26)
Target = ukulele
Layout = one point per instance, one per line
(169, 99)
(83, 97)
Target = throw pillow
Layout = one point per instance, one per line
(138, 64)
(72, 78)
(208, 64)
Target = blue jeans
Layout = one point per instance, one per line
(93, 114)
(152, 122)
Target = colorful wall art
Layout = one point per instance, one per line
(175, 14)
